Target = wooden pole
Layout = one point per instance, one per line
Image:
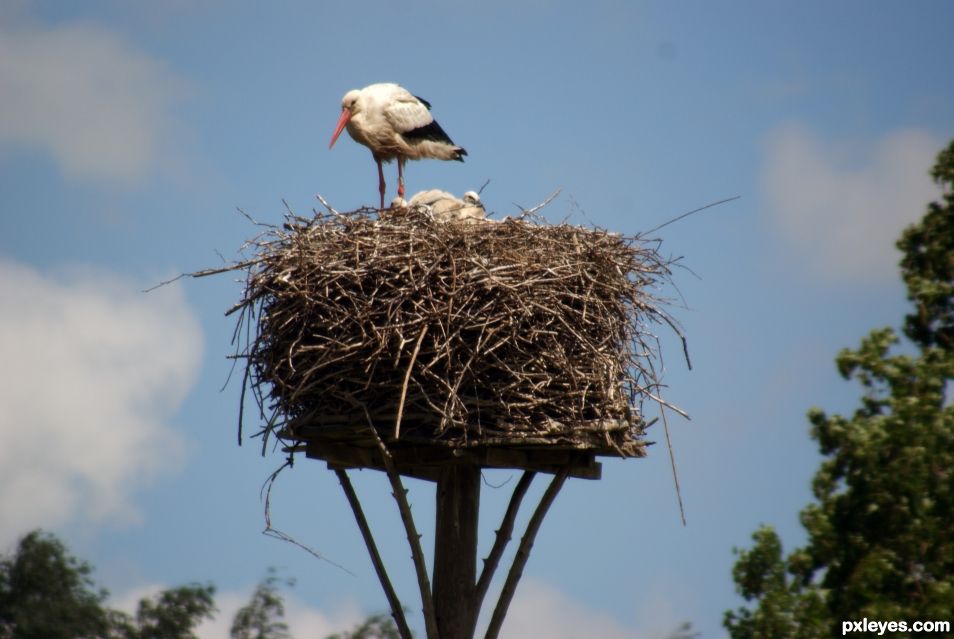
(455, 551)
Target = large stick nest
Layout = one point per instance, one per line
(509, 333)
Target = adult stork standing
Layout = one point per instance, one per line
(394, 124)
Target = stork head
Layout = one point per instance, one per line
(348, 108)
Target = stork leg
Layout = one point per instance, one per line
(380, 181)
(400, 162)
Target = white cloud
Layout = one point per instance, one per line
(86, 96)
(841, 207)
(93, 369)
(540, 610)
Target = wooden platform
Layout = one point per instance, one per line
(418, 455)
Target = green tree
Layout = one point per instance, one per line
(380, 626)
(171, 614)
(881, 533)
(45, 593)
(263, 617)
(928, 265)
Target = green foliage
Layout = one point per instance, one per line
(883, 527)
(380, 626)
(47, 594)
(172, 614)
(263, 616)
(881, 533)
(928, 264)
(785, 611)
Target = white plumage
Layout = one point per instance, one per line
(444, 207)
(394, 124)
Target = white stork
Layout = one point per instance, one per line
(445, 207)
(394, 124)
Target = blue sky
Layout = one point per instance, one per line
(130, 132)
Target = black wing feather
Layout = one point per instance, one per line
(431, 131)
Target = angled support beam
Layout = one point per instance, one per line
(397, 610)
(413, 538)
(504, 534)
(523, 554)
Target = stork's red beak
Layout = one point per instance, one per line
(342, 121)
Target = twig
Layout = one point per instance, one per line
(523, 553)
(687, 214)
(241, 416)
(504, 534)
(271, 531)
(324, 203)
(543, 203)
(672, 462)
(253, 220)
(397, 610)
(662, 402)
(407, 378)
(237, 266)
(165, 282)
